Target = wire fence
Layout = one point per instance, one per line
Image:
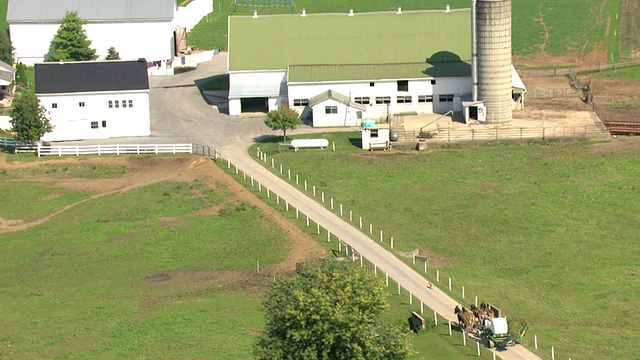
(566, 70)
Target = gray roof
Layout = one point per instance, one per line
(336, 96)
(91, 76)
(47, 11)
(4, 67)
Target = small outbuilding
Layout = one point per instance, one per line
(375, 136)
(94, 100)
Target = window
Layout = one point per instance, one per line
(104, 123)
(425, 98)
(404, 99)
(433, 81)
(374, 133)
(300, 102)
(130, 103)
(124, 103)
(362, 100)
(54, 105)
(94, 124)
(383, 100)
(330, 109)
(110, 104)
(372, 84)
(446, 98)
(403, 85)
(81, 104)
(117, 104)
(359, 115)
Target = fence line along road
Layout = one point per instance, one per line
(115, 149)
(402, 273)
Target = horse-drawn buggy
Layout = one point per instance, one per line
(485, 322)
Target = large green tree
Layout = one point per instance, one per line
(28, 118)
(329, 311)
(112, 54)
(283, 119)
(6, 50)
(71, 43)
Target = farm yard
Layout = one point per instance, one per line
(546, 232)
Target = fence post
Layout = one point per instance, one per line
(463, 292)
(553, 354)
(438, 275)
(307, 220)
(305, 185)
(370, 229)
(328, 235)
(421, 307)
(449, 284)
(464, 338)
(410, 298)
(392, 242)
(380, 235)
(449, 327)
(314, 191)
(386, 279)
(535, 342)
(435, 317)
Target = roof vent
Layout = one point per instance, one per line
(255, 14)
(448, 8)
(304, 12)
(351, 12)
(399, 10)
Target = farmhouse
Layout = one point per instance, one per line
(338, 69)
(94, 100)
(137, 29)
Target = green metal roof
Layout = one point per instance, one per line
(371, 72)
(271, 42)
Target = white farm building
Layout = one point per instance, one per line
(338, 69)
(136, 29)
(94, 99)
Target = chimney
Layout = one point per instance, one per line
(351, 12)
(448, 8)
(304, 12)
(255, 14)
(399, 10)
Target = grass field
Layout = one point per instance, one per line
(573, 27)
(77, 286)
(546, 232)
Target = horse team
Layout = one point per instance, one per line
(474, 318)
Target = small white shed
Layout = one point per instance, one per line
(375, 136)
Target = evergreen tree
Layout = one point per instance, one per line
(112, 54)
(28, 118)
(21, 75)
(70, 43)
(6, 50)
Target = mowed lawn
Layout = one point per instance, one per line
(78, 285)
(547, 232)
(556, 27)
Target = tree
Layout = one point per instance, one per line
(112, 54)
(28, 118)
(6, 50)
(70, 43)
(21, 75)
(283, 119)
(329, 311)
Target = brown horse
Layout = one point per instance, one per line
(477, 313)
(465, 318)
(487, 310)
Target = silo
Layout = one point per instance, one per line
(493, 36)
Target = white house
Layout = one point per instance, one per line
(94, 99)
(136, 29)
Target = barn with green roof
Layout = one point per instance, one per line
(340, 68)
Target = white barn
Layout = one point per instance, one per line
(94, 99)
(338, 69)
(136, 29)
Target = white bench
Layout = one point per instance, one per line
(384, 145)
(309, 143)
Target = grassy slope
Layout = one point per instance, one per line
(533, 228)
(74, 286)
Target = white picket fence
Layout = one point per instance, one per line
(13, 143)
(115, 149)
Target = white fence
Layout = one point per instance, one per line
(10, 142)
(190, 15)
(116, 149)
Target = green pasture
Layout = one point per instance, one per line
(74, 287)
(574, 26)
(547, 232)
(432, 343)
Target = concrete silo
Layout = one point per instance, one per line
(492, 58)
